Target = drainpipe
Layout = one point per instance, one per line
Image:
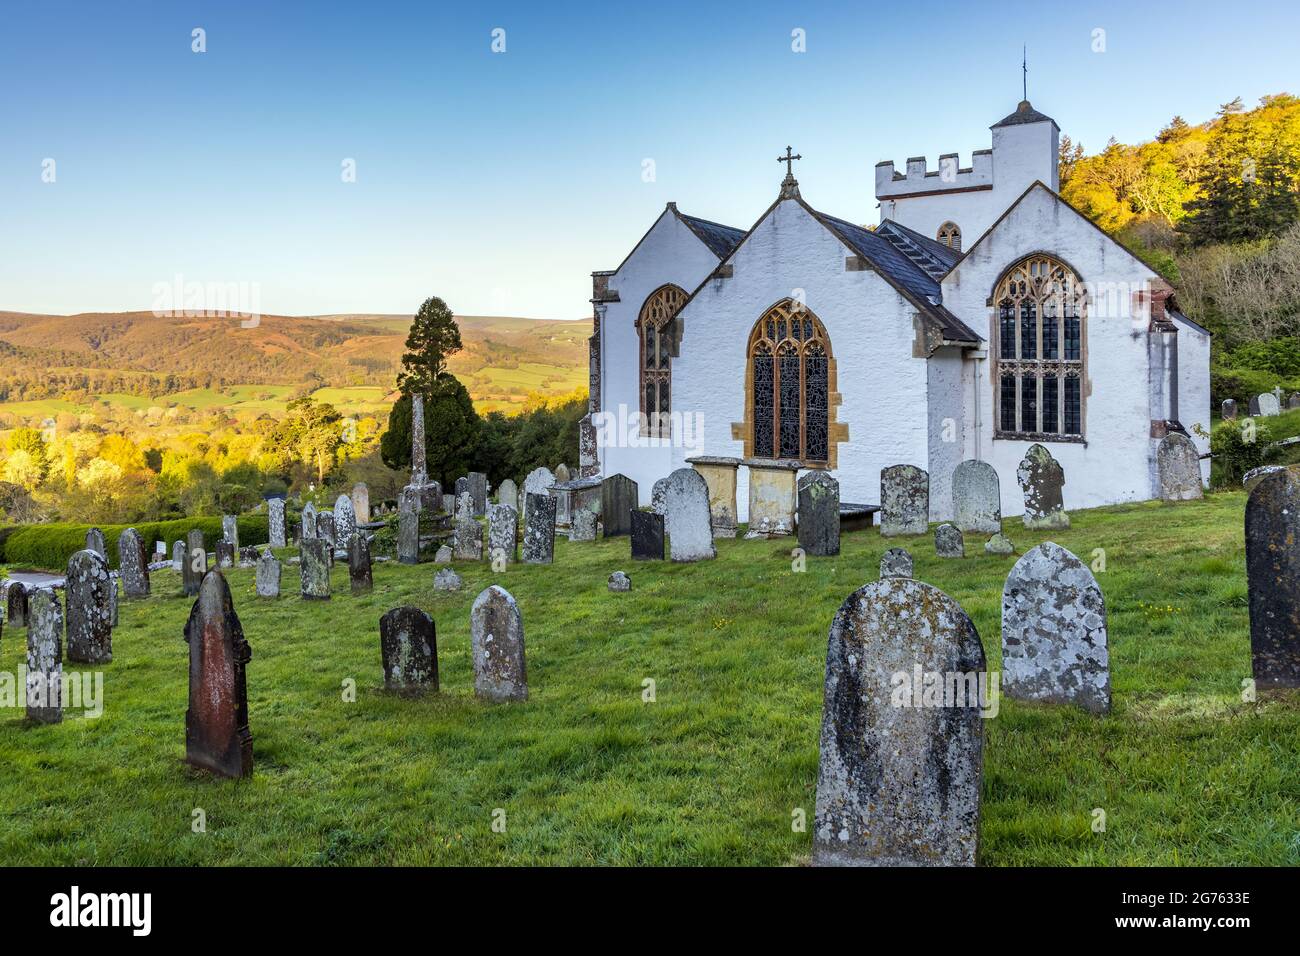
(979, 356)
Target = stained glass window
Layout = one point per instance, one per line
(790, 376)
(655, 325)
(764, 393)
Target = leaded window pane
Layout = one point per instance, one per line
(1029, 404)
(1050, 411)
(1028, 330)
(817, 407)
(764, 385)
(790, 410)
(1008, 403)
(1073, 409)
(1072, 337)
(1007, 333)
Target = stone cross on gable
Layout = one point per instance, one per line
(789, 187)
(788, 160)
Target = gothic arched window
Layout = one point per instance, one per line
(950, 235)
(789, 358)
(1039, 369)
(656, 327)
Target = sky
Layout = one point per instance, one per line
(499, 179)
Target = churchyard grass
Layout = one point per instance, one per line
(588, 772)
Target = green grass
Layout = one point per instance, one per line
(709, 773)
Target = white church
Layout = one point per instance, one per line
(981, 314)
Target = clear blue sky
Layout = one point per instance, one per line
(500, 181)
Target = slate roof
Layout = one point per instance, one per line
(719, 238)
(1024, 114)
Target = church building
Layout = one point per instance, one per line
(981, 314)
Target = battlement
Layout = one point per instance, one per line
(947, 176)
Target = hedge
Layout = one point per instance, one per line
(48, 546)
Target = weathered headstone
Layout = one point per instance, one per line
(45, 658)
(904, 500)
(345, 520)
(902, 739)
(1273, 580)
(561, 472)
(16, 603)
(976, 497)
(408, 533)
(464, 506)
(538, 482)
(618, 499)
(647, 536)
(539, 531)
(327, 530)
(359, 573)
(225, 554)
(618, 581)
(314, 569)
(477, 486)
(409, 645)
(196, 563)
(896, 563)
(230, 530)
(217, 737)
(95, 542)
(462, 488)
(112, 598)
(1054, 645)
(248, 556)
(178, 556)
(588, 448)
(819, 514)
(446, 580)
(496, 631)
(443, 555)
(1253, 477)
(1268, 405)
(686, 517)
(90, 612)
(133, 564)
(467, 540)
(503, 532)
(308, 522)
(1041, 479)
(949, 542)
(508, 494)
(361, 502)
(582, 526)
(999, 544)
(1179, 466)
(275, 522)
(658, 495)
(268, 575)
(1228, 410)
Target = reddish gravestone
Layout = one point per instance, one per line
(217, 737)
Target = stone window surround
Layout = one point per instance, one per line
(647, 321)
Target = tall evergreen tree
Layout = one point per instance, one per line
(433, 337)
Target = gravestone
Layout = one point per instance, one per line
(539, 531)
(248, 556)
(89, 612)
(462, 488)
(112, 598)
(408, 533)
(16, 603)
(618, 581)
(1253, 477)
(819, 514)
(448, 503)
(275, 522)
(1268, 405)
(1273, 580)
(196, 563)
(1054, 645)
(948, 542)
(582, 525)
(225, 554)
(443, 555)
(326, 530)
(314, 569)
(588, 448)
(95, 542)
(44, 682)
(408, 644)
(467, 540)
(647, 536)
(230, 530)
(464, 506)
(496, 631)
(976, 497)
(503, 532)
(658, 495)
(686, 517)
(1228, 410)
(361, 502)
(999, 544)
(178, 556)
(345, 520)
(308, 522)
(359, 573)
(1252, 406)
(538, 482)
(896, 563)
(898, 782)
(217, 737)
(132, 563)
(1179, 466)
(618, 499)
(1293, 401)
(1041, 479)
(561, 472)
(904, 501)
(508, 494)
(419, 454)
(477, 486)
(268, 575)
(446, 580)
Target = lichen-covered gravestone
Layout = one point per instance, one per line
(248, 556)
(178, 556)
(508, 494)
(976, 497)
(361, 502)
(618, 499)
(345, 520)
(308, 522)
(582, 526)
(896, 563)
(503, 531)
(1054, 645)
(948, 542)
(1267, 405)
(133, 564)
(1253, 477)
(658, 495)
(359, 573)
(196, 563)
(326, 530)
(90, 612)
(217, 737)
(618, 581)
(819, 514)
(902, 739)
(442, 555)
(904, 500)
(647, 536)
(446, 580)
(45, 657)
(999, 544)
(464, 506)
(687, 518)
(230, 531)
(1042, 479)
(561, 472)
(537, 482)
(275, 522)
(408, 532)
(225, 554)
(467, 539)
(1179, 466)
(16, 604)
(408, 643)
(1273, 580)
(95, 542)
(1228, 410)
(314, 569)
(497, 638)
(268, 575)
(539, 531)
(477, 486)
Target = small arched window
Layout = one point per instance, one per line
(1040, 329)
(656, 327)
(789, 358)
(950, 235)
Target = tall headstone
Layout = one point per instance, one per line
(503, 531)
(327, 530)
(896, 563)
(45, 658)
(464, 506)
(686, 517)
(268, 575)
(90, 612)
(819, 514)
(508, 494)
(16, 604)
(904, 500)
(361, 502)
(647, 536)
(359, 573)
(1228, 410)
(477, 486)
(131, 560)
(196, 563)
(1273, 580)
(462, 488)
(899, 779)
(496, 630)
(1179, 466)
(618, 499)
(588, 448)
(1054, 645)
(308, 522)
(408, 532)
(976, 497)
(314, 569)
(659, 495)
(1041, 479)
(95, 542)
(178, 556)
(345, 520)
(217, 737)
(538, 482)
(949, 542)
(230, 530)
(275, 522)
(539, 531)
(582, 525)
(467, 539)
(408, 644)
(419, 465)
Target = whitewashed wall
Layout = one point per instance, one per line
(1194, 403)
(947, 427)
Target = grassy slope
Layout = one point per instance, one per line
(587, 773)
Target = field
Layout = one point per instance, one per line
(711, 771)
